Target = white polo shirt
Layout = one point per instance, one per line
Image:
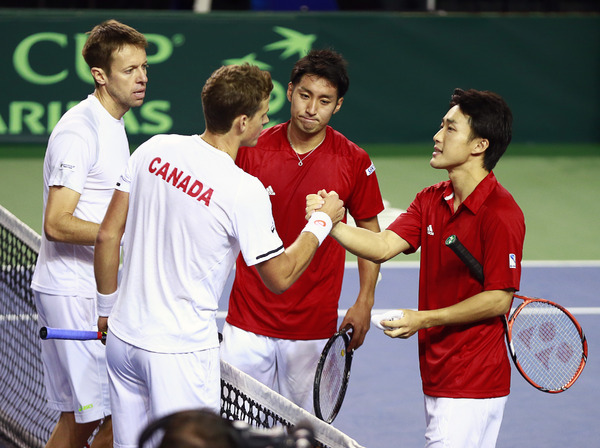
(87, 151)
(191, 209)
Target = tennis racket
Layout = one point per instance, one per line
(545, 341)
(73, 335)
(332, 376)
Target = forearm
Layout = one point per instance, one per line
(359, 314)
(108, 243)
(279, 273)
(106, 264)
(367, 274)
(362, 242)
(60, 223)
(484, 305)
(106, 271)
(69, 229)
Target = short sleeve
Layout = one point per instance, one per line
(366, 200)
(254, 224)
(71, 156)
(124, 182)
(408, 225)
(503, 238)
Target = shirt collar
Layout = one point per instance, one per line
(476, 199)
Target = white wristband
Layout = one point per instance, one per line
(319, 225)
(105, 302)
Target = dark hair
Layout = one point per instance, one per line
(326, 64)
(231, 91)
(200, 428)
(489, 117)
(204, 428)
(105, 39)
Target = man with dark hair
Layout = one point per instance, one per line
(86, 152)
(186, 211)
(464, 364)
(278, 340)
(195, 428)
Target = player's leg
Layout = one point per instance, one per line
(148, 385)
(129, 395)
(182, 381)
(296, 365)
(104, 436)
(463, 422)
(67, 433)
(74, 371)
(251, 353)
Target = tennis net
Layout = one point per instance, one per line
(26, 421)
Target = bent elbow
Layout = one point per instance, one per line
(506, 308)
(505, 303)
(277, 284)
(378, 258)
(104, 237)
(51, 233)
(277, 274)
(278, 287)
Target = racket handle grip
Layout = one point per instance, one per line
(466, 257)
(78, 335)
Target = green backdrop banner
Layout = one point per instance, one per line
(403, 68)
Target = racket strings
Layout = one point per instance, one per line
(332, 378)
(547, 344)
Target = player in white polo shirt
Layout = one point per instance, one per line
(186, 211)
(86, 153)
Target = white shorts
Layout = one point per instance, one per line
(145, 386)
(286, 366)
(74, 371)
(463, 422)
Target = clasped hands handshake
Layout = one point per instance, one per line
(329, 203)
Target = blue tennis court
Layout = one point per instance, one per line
(384, 401)
(384, 404)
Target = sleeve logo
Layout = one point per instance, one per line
(67, 166)
(512, 261)
(371, 169)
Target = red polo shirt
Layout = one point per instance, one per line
(309, 308)
(464, 361)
